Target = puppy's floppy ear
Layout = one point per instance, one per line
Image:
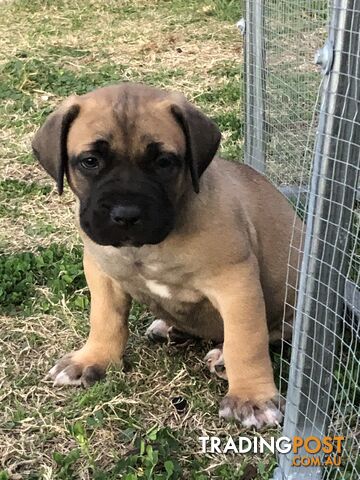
(49, 144)
(202, 138)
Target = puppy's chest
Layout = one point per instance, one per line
(145, 276)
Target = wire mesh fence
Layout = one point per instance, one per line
(303, 132)
(282, 84)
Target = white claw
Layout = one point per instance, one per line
(251, 421)
(63, 379)
(52, 372)
(226, 413)
(273, 416)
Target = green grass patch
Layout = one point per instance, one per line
(24, 76)
(13, 188)
(197, 10)
(14, 193)
(23, 275)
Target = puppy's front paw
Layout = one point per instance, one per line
(249, 413)
(77, 369)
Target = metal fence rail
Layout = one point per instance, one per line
(303, 131)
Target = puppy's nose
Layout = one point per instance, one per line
(125, 215)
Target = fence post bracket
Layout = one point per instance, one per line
(241, 25)
(324, 57)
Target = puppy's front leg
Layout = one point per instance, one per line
(252, 397)
(108, 331)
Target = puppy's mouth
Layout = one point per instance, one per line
(111, 237)
(127, 224)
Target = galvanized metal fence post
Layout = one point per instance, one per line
(255, 85)
(321, 295)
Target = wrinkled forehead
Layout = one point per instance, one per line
(128, 126)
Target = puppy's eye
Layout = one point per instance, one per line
(90, 163)
(164, 162)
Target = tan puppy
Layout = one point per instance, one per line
(202, 241)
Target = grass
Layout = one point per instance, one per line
(126, 426)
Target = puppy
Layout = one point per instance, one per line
(203, 242)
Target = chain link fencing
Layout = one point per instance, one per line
(303, 133)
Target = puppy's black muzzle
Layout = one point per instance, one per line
(119, 219)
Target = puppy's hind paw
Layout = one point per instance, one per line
(251, 414)
(158, 331)
(215, 362)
